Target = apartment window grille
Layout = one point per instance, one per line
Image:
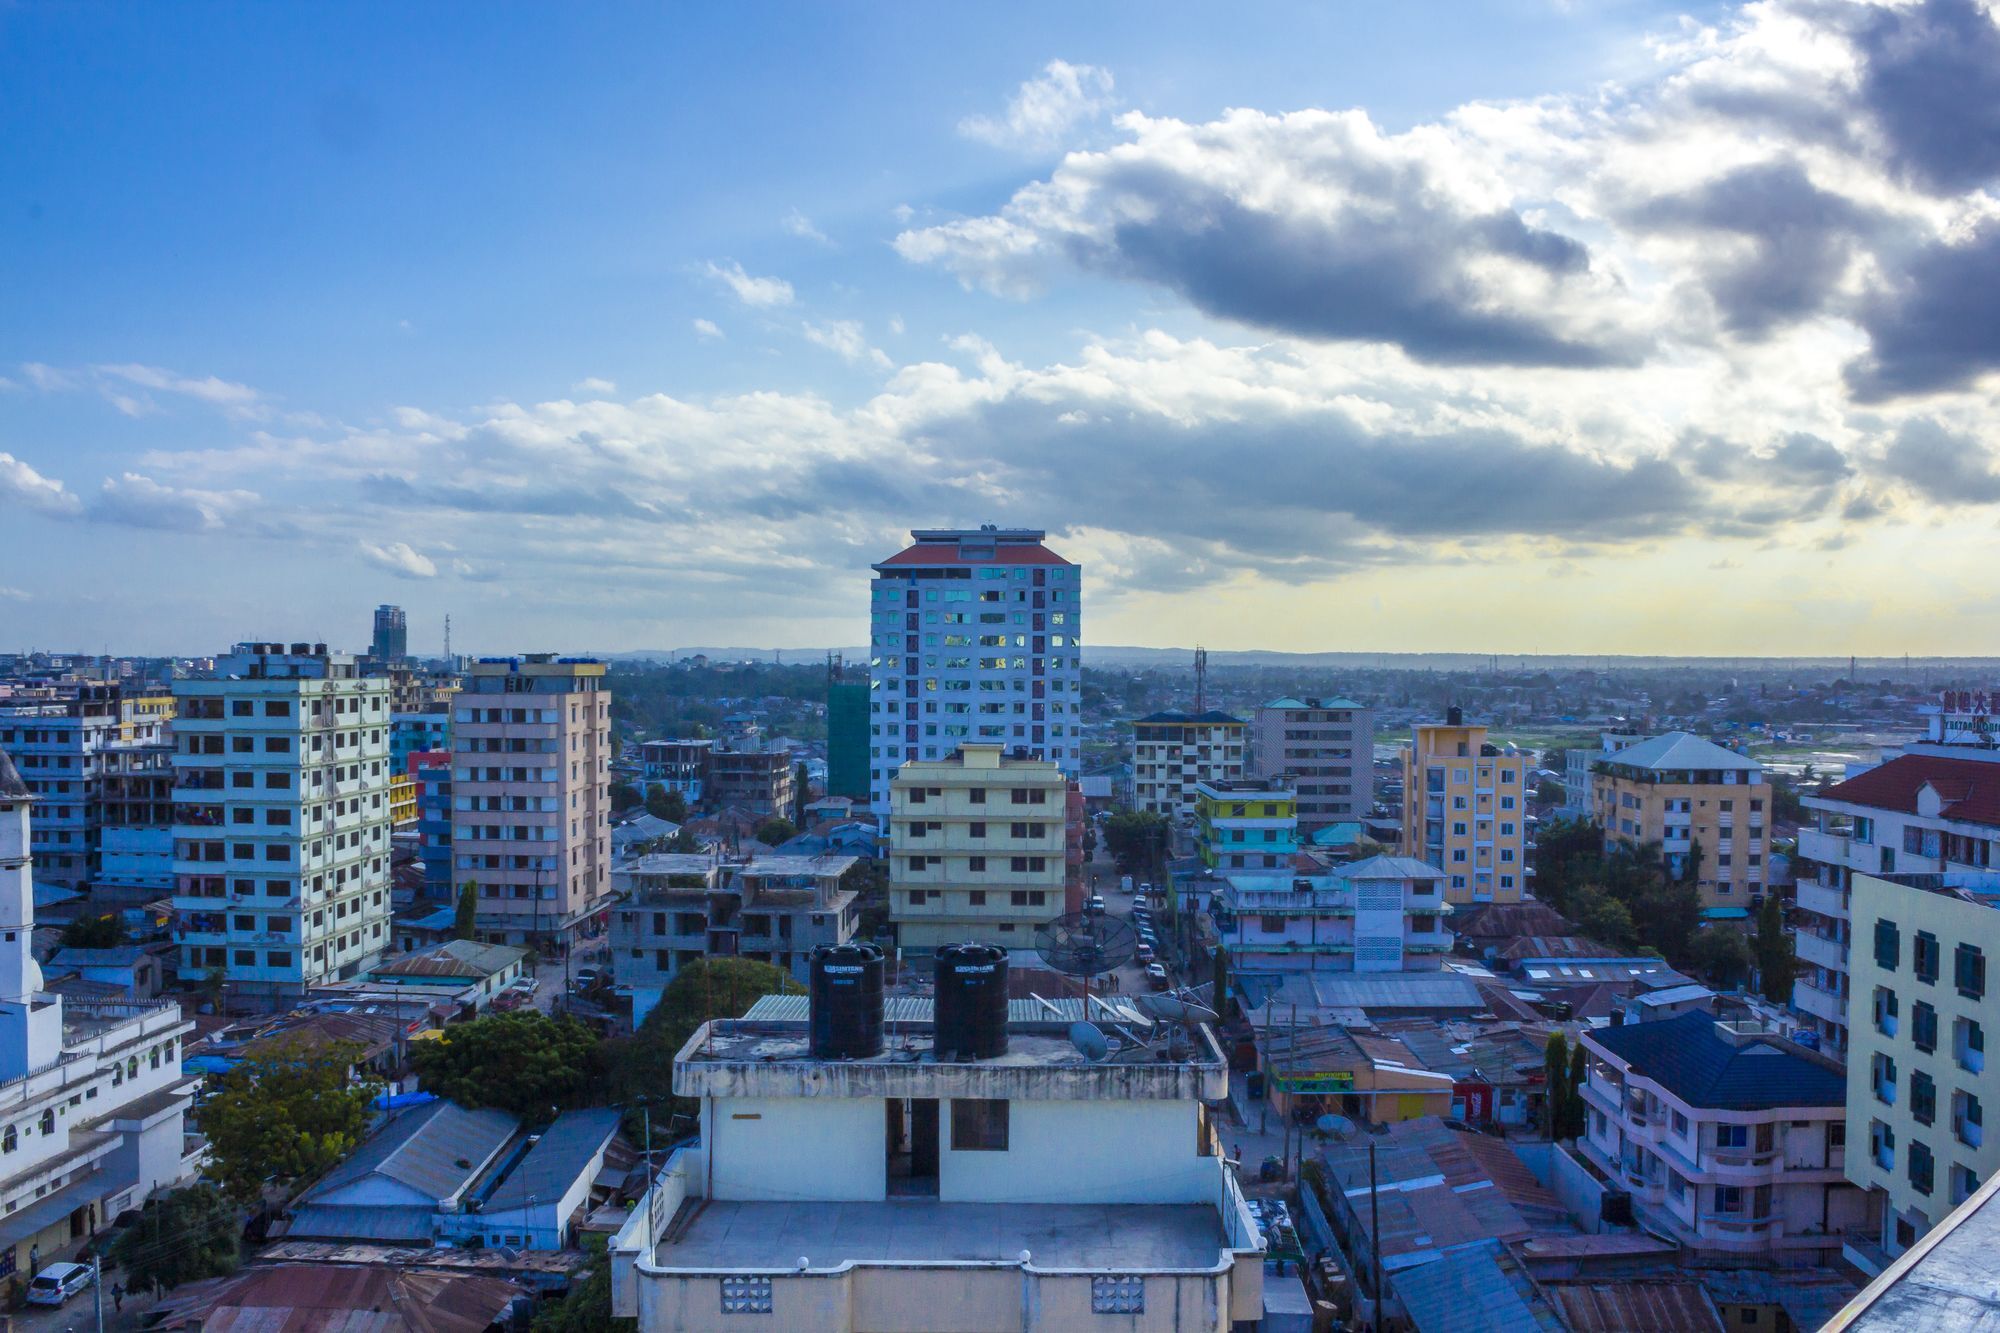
(1888, 943)
(746, 1295)
(1117, 1294)
(1924, 957)
(1969, 971)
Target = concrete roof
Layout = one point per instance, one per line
(1945, 1283)
(1679, 751)
(735, 1235)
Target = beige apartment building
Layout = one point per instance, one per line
(531, 755)
(1463, 810)
(976, 848)
(1173, 753)
(1697, 801)
(1917, 1081)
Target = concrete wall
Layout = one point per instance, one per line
(785, 1148)
(1580, 1192)
(1082, 1152)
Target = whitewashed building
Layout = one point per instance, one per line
(1384, 914)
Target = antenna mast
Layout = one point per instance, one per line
(447, 634)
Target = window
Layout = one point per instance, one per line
(1923, 1168)
(1923, 1097)
(1923, 1026)
(1680, 1124)
(1885, 1011)
(1924, 956)
(1968, 1044)
(1888, 943)
(1968, 971)
(979, 1124)
(1884, 1073)
(1732, 1136)
(1728, 1199)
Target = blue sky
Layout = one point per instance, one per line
(313, 307)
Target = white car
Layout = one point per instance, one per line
(57, 1283)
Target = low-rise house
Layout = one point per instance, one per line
(133, 971)
(461, 972)
(1384, 914)
(921, 1189)
(1366, 1076)
(341, 1298)
(1730, 1139)
(538, 1204)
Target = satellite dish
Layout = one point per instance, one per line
(1089, 1042)
(1174, 1009)
(1083, 944)
(1335, 1126)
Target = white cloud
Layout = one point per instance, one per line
(762, 293)
(896, 325)
(1045, 110)
(595, 385)
(847, 338)
(138, 501)
(22, 485)
(801, 226)
(707, 329)
(15, 595)
(47, 378)
(400, 559)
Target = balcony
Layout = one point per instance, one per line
(1822, 950)
(1823, 1004)
(1822, 900)
(1827, 848)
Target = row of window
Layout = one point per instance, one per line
(1968, 969)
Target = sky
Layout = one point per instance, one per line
(1495, 325)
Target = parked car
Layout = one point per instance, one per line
(57, 1283)
(1095, 902)
(1156, 975)
(1145, 952)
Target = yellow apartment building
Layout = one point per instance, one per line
(976, 848)
(1464, 812)
(1695, 799)
(402, 800)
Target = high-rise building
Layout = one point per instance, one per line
(1173, 753)
(63, 736)
(1917, 1080)
(975, 636)
(1707, 808)
(531, 791)
(95, 1099)
(1327, 747)
(1579, 766)
(977, 848)
(392, 634)
(847, 739)
(1463, 810)
(281, 820)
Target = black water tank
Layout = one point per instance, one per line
(844, 990)
(971, 1018)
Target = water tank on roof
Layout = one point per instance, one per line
(844, 993)
(971, 1018)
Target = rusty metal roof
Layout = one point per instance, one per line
(1628, 1306)
(324, 1298)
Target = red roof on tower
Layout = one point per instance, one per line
(1968, 789)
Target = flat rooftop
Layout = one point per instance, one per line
(1117, 1237)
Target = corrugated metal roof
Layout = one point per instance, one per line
(1628, 1306)
(564, 1152)
(397, 1224)
(422, 1149)
(1677, 751)
(319, 1298)
(1478, 1289)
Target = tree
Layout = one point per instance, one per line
(214, 985)
(289, 1113)
(185, 1236)
(775, 830)
(525, 1063)
(1574, 1103)
(668, 804)
(94, 932)
(1555, 1084)
(1602, 917)
(465, 919)
(586, 1306)
(1721, 956)
(624, 796)
(642, 1065)
(1137, 840)
(684, 841)
(1775, 952)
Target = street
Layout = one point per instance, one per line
(79, 1315)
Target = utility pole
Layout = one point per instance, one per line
(97, 1288)
(1375, 1232)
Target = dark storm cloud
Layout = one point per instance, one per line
(1799, 239)
(1394, 278)
(1942, 466)
(1931, 78)
(1936, 328)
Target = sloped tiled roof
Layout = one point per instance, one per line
(945, 553)
(1500, 921)
(1687, 1057)
(1676, 751)
(1969, 788)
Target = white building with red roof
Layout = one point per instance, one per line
(974, 635)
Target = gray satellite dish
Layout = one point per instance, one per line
(1174, 1009)
(1335, 1126)
(1089, 1042)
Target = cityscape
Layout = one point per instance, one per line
(555, 777)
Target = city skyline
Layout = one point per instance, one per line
(1577, 330)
